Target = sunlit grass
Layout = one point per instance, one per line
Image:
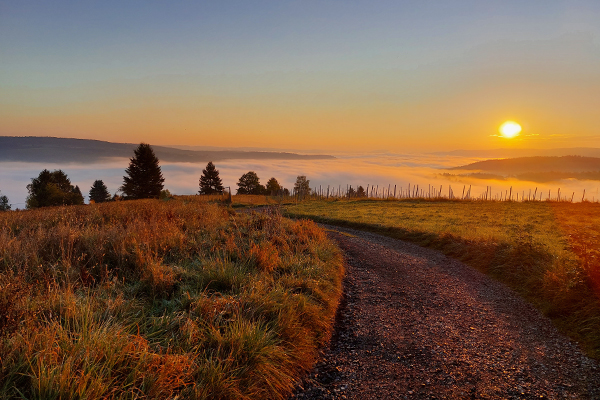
(158, 299)
(547, 251)
(241, 200)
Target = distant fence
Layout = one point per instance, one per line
(431, 192)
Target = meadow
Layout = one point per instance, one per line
(156, 299)
(547, 251)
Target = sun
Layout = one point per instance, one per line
(510, 129)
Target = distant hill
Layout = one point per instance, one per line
(63, 150)
(537, 169)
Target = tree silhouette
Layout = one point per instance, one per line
(273, 187)
(210, 183)
(4, 204)
(99, 192)
(52, 189)
(360, 192)
(302, 186)
(145, 179)
(250, 184)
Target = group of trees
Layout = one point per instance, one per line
(51, 189)
(144, 180)
(249, 183)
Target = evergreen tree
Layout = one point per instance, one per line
(145, 179)
(302, 186)
(210, 183)
(4, 204)
(99, 192)
(273, 187)
(249, 183)
(52, 189)
(360, 192)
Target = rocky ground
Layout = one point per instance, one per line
(415, 324)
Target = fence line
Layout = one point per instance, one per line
(416, 192)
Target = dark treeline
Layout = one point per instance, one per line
(143, 180)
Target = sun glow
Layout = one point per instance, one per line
(510, 129)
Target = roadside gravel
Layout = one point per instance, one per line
(415, 324)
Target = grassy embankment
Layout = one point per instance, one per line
(549, 252)
(157, 300)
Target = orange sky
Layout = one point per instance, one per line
(364, 81)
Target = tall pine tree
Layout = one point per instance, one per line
(144, 178)
(210, 183)
(99, 192)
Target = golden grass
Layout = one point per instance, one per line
(241, 200)
(157, 299)
(547, 251)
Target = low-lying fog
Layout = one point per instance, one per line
(347, 169)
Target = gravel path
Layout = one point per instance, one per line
(415, 324)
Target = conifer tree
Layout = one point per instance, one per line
(99, 192)
(210, 183)
(360, 192)
(4, 204)
(144, 178)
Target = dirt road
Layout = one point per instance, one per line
(415, 324)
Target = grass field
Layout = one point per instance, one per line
(549, 252)
(241, 200)
(161, 299)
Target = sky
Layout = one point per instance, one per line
(322, 75)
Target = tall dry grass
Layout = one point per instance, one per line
(158, 300)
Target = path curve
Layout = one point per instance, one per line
(415, 324)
